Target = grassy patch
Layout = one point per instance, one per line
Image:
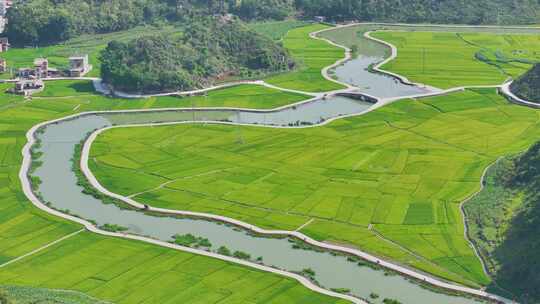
(419, 214)
(450, 59)
(276, 30)
(312, 55)
(109, 268)
(29, 295)
(241, 96)
(404, 168)
(122, 271)
(66, 88)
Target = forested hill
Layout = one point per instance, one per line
(519, 253)
(209, 49)
(37, 22)
(528, 85)
(431, 11)
(504, 224)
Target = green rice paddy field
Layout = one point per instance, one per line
(123, 271)
(402, 170)
(240, 96)
(445, 60)
(312, 55)
(276, 30)
(111, 269)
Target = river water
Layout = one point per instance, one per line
(59, 183)
(59, 187)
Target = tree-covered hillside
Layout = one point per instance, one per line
(433, 11)
(504, 222)
(528, 85)
(519, 253)
(38, 22)
(210, 49)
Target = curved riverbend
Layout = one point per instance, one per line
(27, 188)
(32, 134)
(141, 218)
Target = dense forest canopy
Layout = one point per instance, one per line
(528, 85)
(520, 251)
(47, 21)
(432, 11)
(33, 22)
(209, 49)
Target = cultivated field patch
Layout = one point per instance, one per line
(404, 169)
(449, 59)
(312, 56)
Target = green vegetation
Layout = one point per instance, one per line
(47, 21)
(224, 251)
(263, 9)
(124, 271)
(29, 295)
(241, 255)
(404, 169)
(208, 50)
(312, 55)
(276, 30)
(504, 221)
(189, 240)
(67, 88)
(528, 85)
(449, 59)
(242, 96)
(341, 290)
(109, 268)
(113, 228)
(87, 44)
(41, 22)
(425, 11)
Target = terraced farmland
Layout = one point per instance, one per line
(401, 171)
(132, 272)
(110, 268)
(448, 60)
(312, 55)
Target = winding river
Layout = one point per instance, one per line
(59, 186)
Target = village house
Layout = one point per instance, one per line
(27, 87)
(4, 44)
(319, 19)
(78, 66)
(24, 73)
(41, 68)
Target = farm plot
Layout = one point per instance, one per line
(401, 170)
(445, 59)
(68, 265)
(276, 30)
(312, 55)
(122, 271)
